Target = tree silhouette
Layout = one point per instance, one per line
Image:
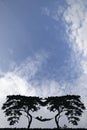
(70, 104)
(16, 105)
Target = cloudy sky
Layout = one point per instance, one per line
(43, 50)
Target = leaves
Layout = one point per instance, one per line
(70, 104)
(15, 105)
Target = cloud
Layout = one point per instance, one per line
(76, 19)
(31, 66)
(76, 25)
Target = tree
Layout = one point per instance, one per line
(16, 105)
(70, 104)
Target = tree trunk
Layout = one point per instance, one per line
(57, 120)
(29, 120)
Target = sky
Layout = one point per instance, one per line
(43, 50)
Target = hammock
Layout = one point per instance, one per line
(43, 120)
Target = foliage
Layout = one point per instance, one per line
(70, 104)
(16, 105)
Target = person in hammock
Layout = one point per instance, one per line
(44, 119)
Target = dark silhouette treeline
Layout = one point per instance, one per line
(17, 105)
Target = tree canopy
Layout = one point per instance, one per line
(16, 105)
(70, 104)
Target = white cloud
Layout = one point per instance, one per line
(76, 19)
(76, 24)
(12, 84)
(15, 82)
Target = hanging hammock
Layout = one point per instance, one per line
(44, 119)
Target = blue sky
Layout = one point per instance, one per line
(43, 49)
(27, 30)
